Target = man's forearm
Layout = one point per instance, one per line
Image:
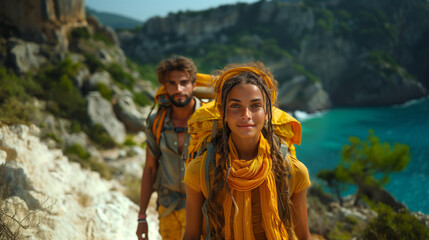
(146, 190)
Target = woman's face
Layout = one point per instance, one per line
(245, 112)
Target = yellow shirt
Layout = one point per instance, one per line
(195, 178)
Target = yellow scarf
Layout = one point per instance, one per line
(245, 176)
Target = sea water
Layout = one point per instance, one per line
(325, 133)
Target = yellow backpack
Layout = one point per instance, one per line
(202, 127)
(202, 91)
(206, 120)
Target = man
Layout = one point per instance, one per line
(166, 156)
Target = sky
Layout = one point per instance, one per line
(145, 9)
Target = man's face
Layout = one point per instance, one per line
(179, 88)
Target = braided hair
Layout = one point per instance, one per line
(280, 169)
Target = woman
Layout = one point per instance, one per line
(243, 200)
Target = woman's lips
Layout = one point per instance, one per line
(246, 125)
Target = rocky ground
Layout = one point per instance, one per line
(71, 202)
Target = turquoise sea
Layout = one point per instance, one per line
(325, 133)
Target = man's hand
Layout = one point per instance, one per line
(142, 231)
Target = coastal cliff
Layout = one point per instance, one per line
(73, 108)
(351, 53)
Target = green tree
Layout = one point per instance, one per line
(366, 163)
(329, 177)
(370, 162)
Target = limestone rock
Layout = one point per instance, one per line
(44, 19)
(108, 32)
(129, 113)
(25, 56)
(100, 112)
(101, 77)
(75, 203)
(302, 94)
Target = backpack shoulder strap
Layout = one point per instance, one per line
(284, 150)
(158, 123)
(210, 163)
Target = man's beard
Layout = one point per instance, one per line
(179, 104)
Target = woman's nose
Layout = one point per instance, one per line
(246, 114)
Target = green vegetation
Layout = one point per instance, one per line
(64, 99)
(129, 141)
(300, 69)
(141, 99)
(105, 91)
(133, 188)
(325, 20)
(384, 66)
(114, 20)
(83, 33)
(101, 37)
(16, 102)
(147, 71)
(80, 33)
(366, 163)
(100, 136)
(76, 153)
(52, 136)
(390, 225)
(93, 63)
(370, 163)
(121, 77)
(242, 46)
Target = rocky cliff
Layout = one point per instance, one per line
(43, 20)
(57, 199)
(75, 204)
(361, 53)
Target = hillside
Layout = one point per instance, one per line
(113, 20)
(344, 53)
(72, 121)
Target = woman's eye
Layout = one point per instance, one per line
(234, 106)
(257, 105)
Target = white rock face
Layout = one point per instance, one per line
(80, 204)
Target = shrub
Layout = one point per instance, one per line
(120, 76)
(129, 141)
(147, 71)
(100, 37)
(64, 99)
(141, 99)
(80, 33)
(100, 136)
(389, 225)
(105, 91)
(70, 103)
(15, 97)
(93, 63)
(53, 137)
(133, 188)
(76, 153)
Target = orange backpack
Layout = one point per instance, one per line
(202, 91)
